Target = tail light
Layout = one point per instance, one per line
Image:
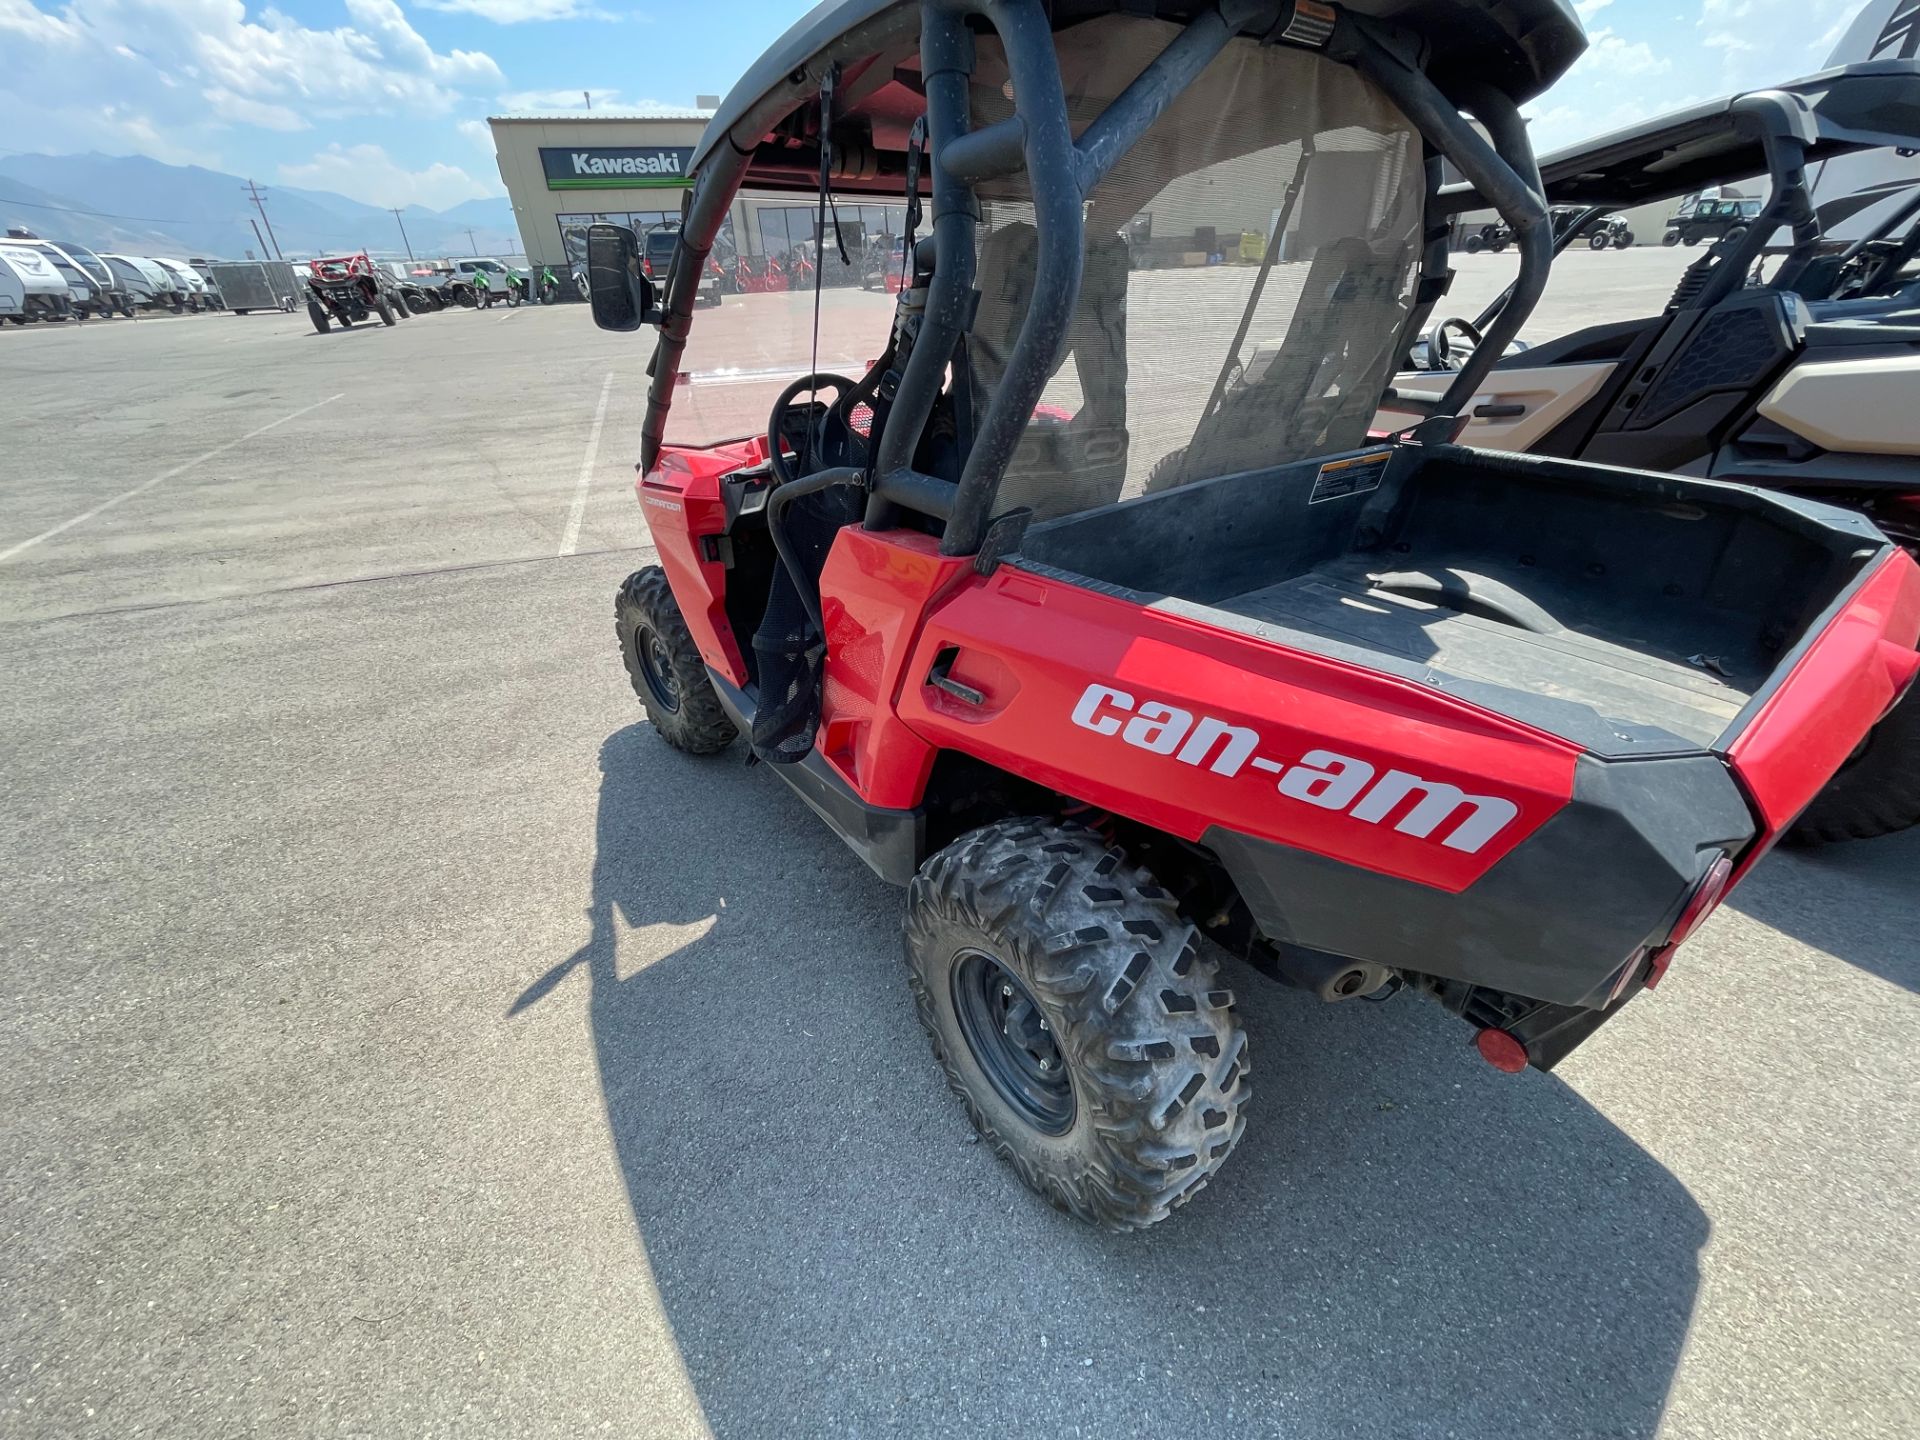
(646, 267)
(1711, 890)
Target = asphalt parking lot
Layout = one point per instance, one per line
(399, 1039)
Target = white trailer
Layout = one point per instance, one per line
(13, 295)
(47, 294)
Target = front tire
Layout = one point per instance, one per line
(1076, 1020)
(664, 664)
(1875, 793)
(384, 308)
(1672, 237)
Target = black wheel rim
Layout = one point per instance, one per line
(1011, 1042)
(656, 667)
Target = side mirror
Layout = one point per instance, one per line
(622, 295)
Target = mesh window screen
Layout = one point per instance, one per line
(1219, 327)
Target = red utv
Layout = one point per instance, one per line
(1498, 729)
(346, 288)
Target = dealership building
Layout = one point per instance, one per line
(564, 172)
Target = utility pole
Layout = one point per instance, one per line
(474, 243)
(588, 94)
(264, 252)
(253, 191)
(403, 233)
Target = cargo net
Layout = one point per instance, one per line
(1249, 268)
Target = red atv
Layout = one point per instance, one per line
(346, 288)
(1498, 729)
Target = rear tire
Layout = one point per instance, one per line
(664, 664)
(1167, 472)
(1076, 1020)
(1598, 242)
(317, 313)
(1875, 793)
(1672, 237)
(384, 307)
(1625, 240)
(1474, 242)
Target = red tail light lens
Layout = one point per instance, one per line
(1706, 896)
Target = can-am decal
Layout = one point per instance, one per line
(1438, 811)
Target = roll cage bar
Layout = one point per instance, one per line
(1037, 140)
(1776, 132)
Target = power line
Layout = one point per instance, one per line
(97, 214)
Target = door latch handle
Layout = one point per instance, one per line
(1498, 412)
(941, 680)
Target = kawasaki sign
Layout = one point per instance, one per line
(620, 167)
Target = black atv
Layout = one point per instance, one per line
(1711, 220)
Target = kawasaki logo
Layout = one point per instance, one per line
(617, 167)
(1425, 809)
(664, 162)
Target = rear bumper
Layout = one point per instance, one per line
(1555, 920)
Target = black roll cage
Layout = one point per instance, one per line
(1038, 140)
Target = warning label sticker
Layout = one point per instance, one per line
(1354, 476)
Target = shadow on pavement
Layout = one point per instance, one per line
(1856, 901)
(1406, 1243)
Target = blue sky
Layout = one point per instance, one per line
(385, 100)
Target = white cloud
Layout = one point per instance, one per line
(1642, 63)
(179, 73)
(479, 132)
(19, 17)
(368, 173)
(515, 12)
(1608, 54)
(244, 111)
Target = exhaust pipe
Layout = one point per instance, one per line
(1331, 977)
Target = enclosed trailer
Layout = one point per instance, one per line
(248, 285)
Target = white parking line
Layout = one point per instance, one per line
(145, 485)
(571, 537)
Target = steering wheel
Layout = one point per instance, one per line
(1439, 349)
(792, 426)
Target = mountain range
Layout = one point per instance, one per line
(138, 205)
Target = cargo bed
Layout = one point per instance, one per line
(1634, 614)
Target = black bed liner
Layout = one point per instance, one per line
(1637, 615)
(1338, 604)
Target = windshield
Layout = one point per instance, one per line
(87, 261)
(741, 353)
(69, 272)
